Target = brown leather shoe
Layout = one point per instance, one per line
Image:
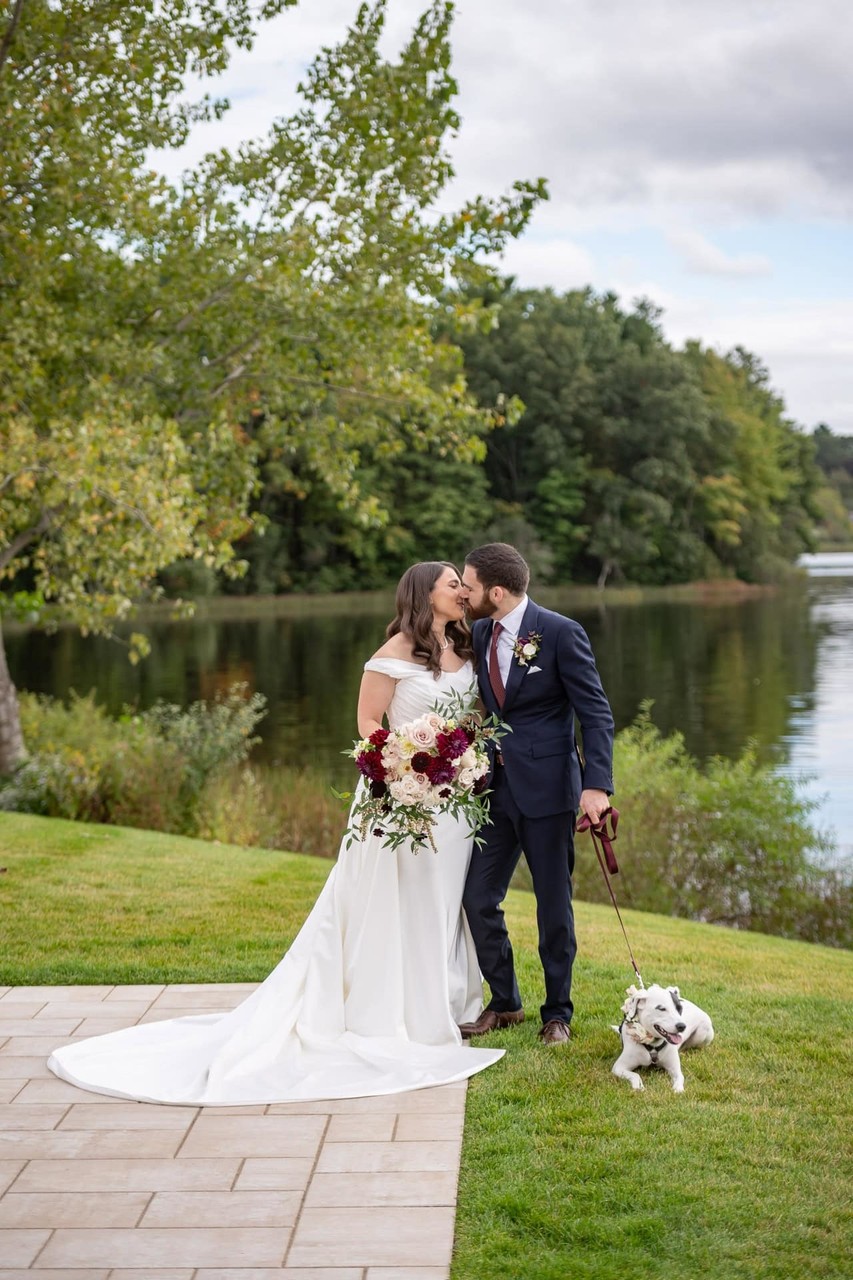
(489, 1020)
(555, 1032)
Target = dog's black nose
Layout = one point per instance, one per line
(681, 1026)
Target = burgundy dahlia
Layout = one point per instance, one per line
(453, 744)
(371, 766)
(440, 770)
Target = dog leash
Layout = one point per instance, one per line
(602, 841)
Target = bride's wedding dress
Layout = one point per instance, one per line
(365, 1002)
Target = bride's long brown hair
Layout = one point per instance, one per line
(414, 616)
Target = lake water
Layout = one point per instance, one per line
(775, 667)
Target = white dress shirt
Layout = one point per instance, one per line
(506, 640)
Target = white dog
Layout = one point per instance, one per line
(657, 1024)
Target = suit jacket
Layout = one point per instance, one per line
(543, 700)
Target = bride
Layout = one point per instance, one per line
(368, 998)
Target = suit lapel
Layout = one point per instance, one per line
(516, 671)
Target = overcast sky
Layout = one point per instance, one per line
(697, 154)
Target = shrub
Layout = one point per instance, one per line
(274, 808)
(207, 739)
(54, 785)
(149, 770)
(731, 843)
(79, 758)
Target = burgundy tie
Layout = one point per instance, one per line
(494, 669)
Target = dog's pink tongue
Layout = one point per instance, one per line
(673, 1038)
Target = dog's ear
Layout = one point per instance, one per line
(629, 1008)
(676, 998)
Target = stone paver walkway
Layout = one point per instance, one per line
(97, 1188)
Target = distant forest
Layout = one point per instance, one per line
(613, 457)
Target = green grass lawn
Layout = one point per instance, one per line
(567, 1174)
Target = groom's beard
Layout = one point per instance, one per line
(484, 610)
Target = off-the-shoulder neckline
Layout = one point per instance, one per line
(422, 665)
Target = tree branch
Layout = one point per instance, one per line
(24, 471)
(226, 382)
(9, 35)
(26, 536)
(346, 391)
(120, 505)
(221, 292)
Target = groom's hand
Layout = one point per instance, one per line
(594, 804)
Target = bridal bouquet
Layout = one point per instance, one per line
(435, 764)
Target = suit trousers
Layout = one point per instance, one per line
(548, 845)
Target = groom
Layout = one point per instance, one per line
(537, 673)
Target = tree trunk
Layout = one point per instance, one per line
(12, 749)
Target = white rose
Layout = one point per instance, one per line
(466, 778)
(427, 794)
(529, 650)
(406, 790)
(391, 753)
(422, 734)
(469, 759)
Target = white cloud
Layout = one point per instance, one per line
(629, 103)
(807, 346)
(557, 262)
(704, 258)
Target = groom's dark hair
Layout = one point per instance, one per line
(500, 565)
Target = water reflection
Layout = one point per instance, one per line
(721, 673)
(819, 737)
(775, 668)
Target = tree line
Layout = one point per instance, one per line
(614, 456)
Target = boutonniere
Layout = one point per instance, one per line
(526, 647)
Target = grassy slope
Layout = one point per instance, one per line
(83, 903)
(566, 1172)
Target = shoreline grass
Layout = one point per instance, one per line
(224, 608)
(566, 1173)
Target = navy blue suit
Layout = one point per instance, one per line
(535, 798)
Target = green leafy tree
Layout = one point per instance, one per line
(836, 525)
(429, 505)
(157, 340)
(834, 457)
(633, 459)
(759, 477)
(601, 459)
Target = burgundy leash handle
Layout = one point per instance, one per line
(602, 841)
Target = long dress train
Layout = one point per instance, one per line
(367, 999)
